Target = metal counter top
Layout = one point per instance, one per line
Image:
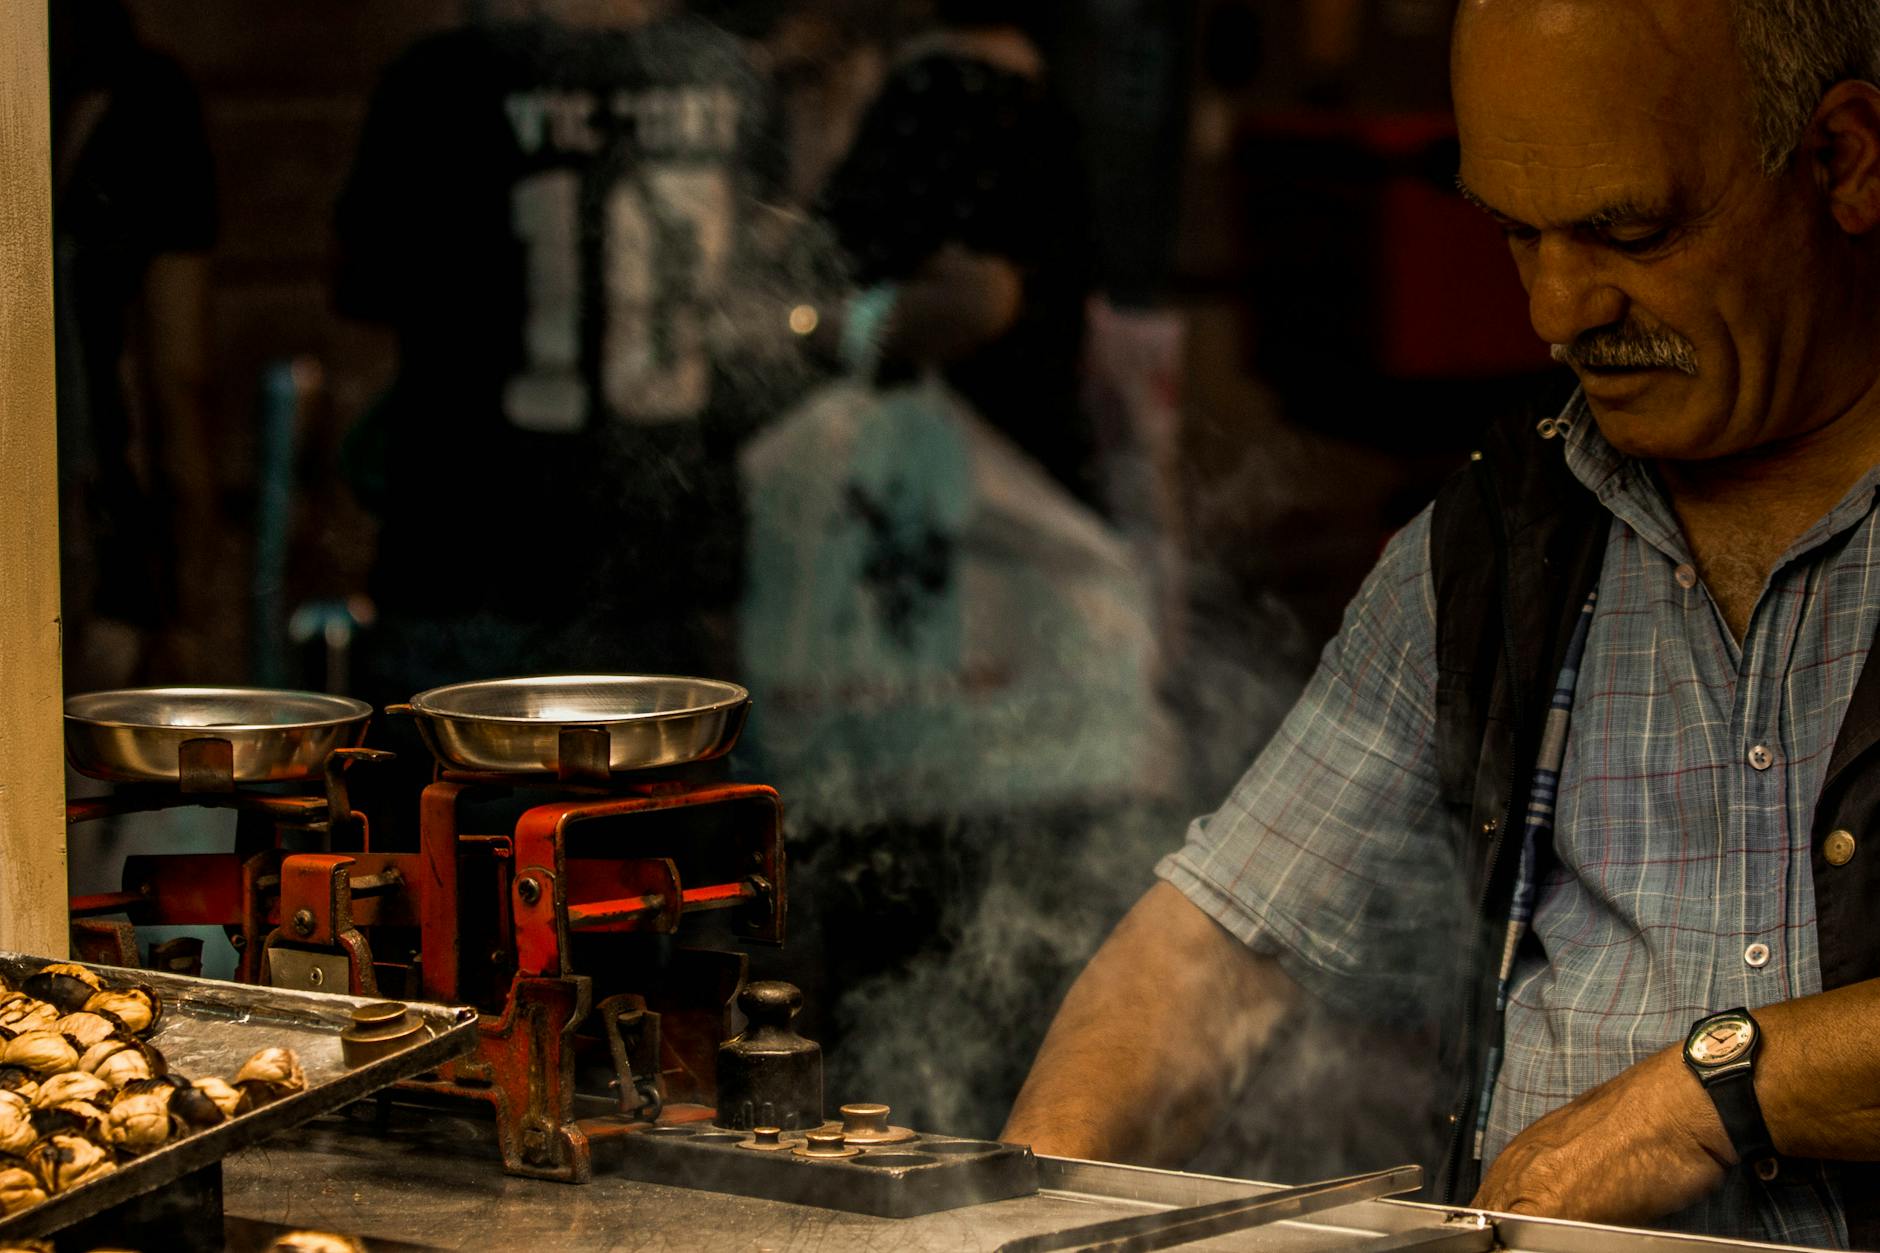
(435, 1179)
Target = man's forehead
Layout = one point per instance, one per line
(1668, 23)
(1587, 104)
(1681, 50)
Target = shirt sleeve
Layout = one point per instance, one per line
(1333, 853)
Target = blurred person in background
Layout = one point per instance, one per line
(962, 206)
(949, 646)
(827, 61)
(133, 217)
(550, 208)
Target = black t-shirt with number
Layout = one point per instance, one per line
(546, 215)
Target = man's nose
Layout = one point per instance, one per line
(1567, 292)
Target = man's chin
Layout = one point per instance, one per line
(1644, 413)
(1667, 434)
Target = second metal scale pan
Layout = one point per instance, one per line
(579, 726)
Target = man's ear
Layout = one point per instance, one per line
(1844, 138)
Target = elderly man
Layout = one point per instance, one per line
(1587, 771)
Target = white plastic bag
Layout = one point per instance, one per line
(932, 626)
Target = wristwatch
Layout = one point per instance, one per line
(1721, 1052)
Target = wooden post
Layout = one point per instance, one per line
(32, 764)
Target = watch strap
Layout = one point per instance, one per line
(1735, 1098)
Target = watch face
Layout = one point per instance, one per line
(1721, 1040)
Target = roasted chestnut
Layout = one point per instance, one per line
(69, 1118)
(43, 1052)
(122, 1058)
(16, 1124)
(20, 1188)
(137, 1007)
(21, 1013)
(63, 1162)
(196, 1107)
(85, 1029)
(314, 1242)
(270, 1075)
(72, 1085)
(62, 984)
(224, 1097)
(125, 1065)
(141, 1117)
(91, 1058)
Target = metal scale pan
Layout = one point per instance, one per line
(164, 734)
(581, 726)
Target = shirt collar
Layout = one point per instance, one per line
(1626, 486)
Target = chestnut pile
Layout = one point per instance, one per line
(82, 1089)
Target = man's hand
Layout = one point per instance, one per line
(1644, 1144)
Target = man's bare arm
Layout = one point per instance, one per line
(1154, 1037)
(1649, 1140)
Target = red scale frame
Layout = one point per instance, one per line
(538, 889)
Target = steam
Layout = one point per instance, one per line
(951, 876)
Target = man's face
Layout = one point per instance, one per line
(1610, 140)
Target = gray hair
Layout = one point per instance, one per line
(1795, 50)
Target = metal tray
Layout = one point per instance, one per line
(579, 725)
(251, 734)
(210, 1027)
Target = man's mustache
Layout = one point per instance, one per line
(1629, 348)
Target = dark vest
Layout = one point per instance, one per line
(1516, 543)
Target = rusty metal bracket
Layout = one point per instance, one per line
(633, 1038)
(341, 818)
(105, 943)
(316, 914)
(524, 1067)
(654, 900)
(179, 956)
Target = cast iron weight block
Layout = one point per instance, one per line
(768, 1075)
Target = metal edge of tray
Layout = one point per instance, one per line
(453, 1031)
(1518, 1233)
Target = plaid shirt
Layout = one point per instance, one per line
(1682, 881)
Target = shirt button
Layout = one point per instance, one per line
(1686, 576)
(1757, 955)
(1761, 758)
(1838, 848)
